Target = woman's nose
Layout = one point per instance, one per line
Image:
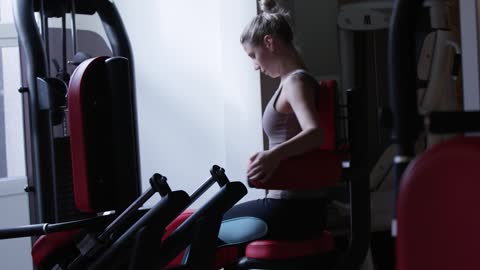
(257, 67)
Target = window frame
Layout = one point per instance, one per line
(9, 39)
(8, 35)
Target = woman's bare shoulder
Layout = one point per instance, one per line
(300, 82)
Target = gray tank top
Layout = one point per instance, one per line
(280, 127)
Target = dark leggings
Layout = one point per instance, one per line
(286, 219)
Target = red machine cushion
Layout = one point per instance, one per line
(48, 244)
(102, 135)
(437, 210)
(82, 165)
(282, 249)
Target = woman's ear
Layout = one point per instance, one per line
(268, 41)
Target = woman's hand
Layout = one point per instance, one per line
(262, 165)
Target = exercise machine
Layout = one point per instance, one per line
(436, 190)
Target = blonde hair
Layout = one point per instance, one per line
(273, 20)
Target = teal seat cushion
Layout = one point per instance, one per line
(242, 230)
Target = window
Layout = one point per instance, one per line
(12, 153)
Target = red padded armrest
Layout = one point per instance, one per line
(312, 170)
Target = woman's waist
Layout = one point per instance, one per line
(295, 194)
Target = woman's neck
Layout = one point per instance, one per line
(290, 62)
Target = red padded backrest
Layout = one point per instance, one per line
(437, 210)
(86, 74)
(327, 108)
(102, 139)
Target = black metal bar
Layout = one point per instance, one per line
(204, 187)
(53, 9)
(120, 221)
(44, 27)
(45, 87)
(358, 178)
(64, 46)
(359, 224)
(116, 32)
(204, 242)
(35, 63)
(46, 228)
(160, 215)
(126, 214)
(144, 251)
(218, 176)
(73, 14)
(453, 122)
(82, 223)
(160, 185)
(23, 231)
(402, 84)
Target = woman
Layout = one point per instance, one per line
(291, 123)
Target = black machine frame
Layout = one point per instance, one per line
(44, 150)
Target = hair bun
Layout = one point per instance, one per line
(269, 6)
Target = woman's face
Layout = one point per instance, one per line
(263, 58)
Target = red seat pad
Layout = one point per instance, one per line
(46, 245)
(437, 209)
(283, 249)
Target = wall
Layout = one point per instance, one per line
(316, 29)
(241, 89)
(14, 253)
(198, 96)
